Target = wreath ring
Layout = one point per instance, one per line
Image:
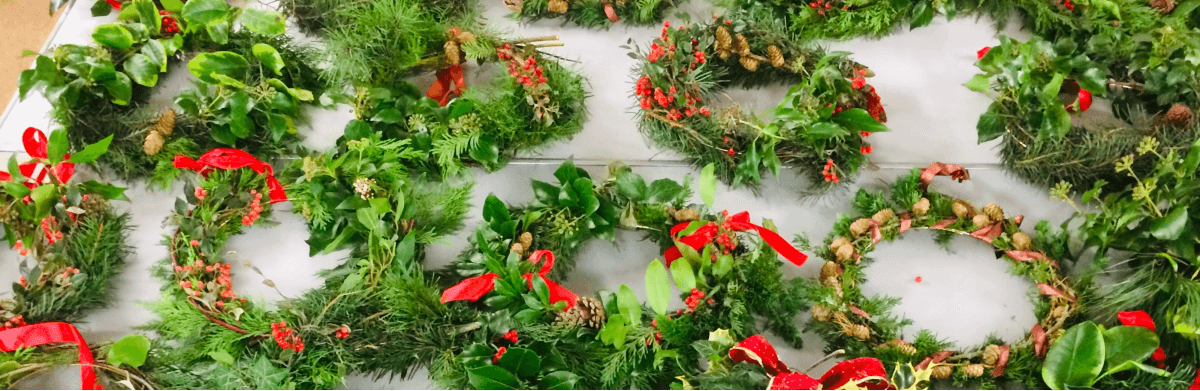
(819, 126)
(838, 312)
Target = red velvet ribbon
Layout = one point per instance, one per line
(476, 287)
(1001, 362)
(1052, 291)
(935, 169)
(756, 350)
(450, 83)
(736, 222)
(53, 332)
(36, 145)
(1038, 335)
(611, 12)
(233, 159)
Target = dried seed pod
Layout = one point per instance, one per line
(962, 209)
(1057, 312)
(845, 253)
(526, 240)
(820, 313)
(742, 46)
(776, 56)
(981, 220)
(688, 214)
(1021, 241)
(453, 54)
(972, 370)
(830, 269)
(749, 63)
(464, 37)
(993, 212)
(838, 243)
(883, 216)
(1178, 115)
(991, 355)
(153, 144)
(557, 6)
(860, 226)
(942, 371)
(921, 207)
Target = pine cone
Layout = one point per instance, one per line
(1163, 6)
(742, 46)
(453, 54)
(860, 227)
(526, 240)
(830, 281)
(991, 355)
(883, 216)
(829, 269)
(593, 310)
(514, 5)
(464, 37)
(921, 207)
(557, 6)
(1021, 241)
(962, 209)
(154, 143)
(517, 248)
(687, 214)
(776, 56)
(838, 243)
(1178, 115)
(845, 253)
(749, 63)
(972, 370)
(857, 331)
(166, 123)
(820, 313)
(981, 221)
(724, 40)
(905, 347)
(942, 371)
(993, 212)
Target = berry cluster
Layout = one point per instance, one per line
(255, 209)
(511, 336)
(823, 6)
(830, 175)
(52, 229)
(169, 24)
(694, 299)
(20, 247)
(192, 277)
(526, 71)
(342, 332)
(499, 353)
(285, 337)
(649, 95)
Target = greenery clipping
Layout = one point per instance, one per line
(593, 13)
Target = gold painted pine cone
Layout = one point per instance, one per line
(991, 355)
(557, 6)
(820, 313)
(1021, 241)
(906, 347)
(154, 143)
(829, 269)
(517, 248)
(587, 312)
(921, 207)
(981, 221)
(453, 54)
(724, 42)
(749, 63)
(742, 46)
(993, 212)
(166, 123)
(514, 5)
(942, 371)
(883, 216)
(860, 226)
(685, 215)
(857, 331)
(972, 370)
(776, 56)
(962, 208)
(838, 243)
(845, 253)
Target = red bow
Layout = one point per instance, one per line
(1143, 319)
(450, 82)
(953, 171)
(737, 222)
(53, 332)
(758, 351)
(35, 172)
(475, 287)
(232, 159)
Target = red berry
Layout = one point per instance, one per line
(919, 279)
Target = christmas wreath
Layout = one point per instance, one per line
(847, 319)
(532, 332)
(252, 82)
(71, 244)
(819, 126)
(592, 13)
(1140, 54)
(361, 197)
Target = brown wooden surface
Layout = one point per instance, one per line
(25, 25)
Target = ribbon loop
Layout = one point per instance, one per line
(233, 159)
(53, 332)
(474, 288)
(450, 82)
(738, 222)
(935, 169)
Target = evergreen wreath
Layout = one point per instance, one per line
(1140, 54)
(252, 83)
(593, 13)
(847, 319)
(822, 122)
(533, 333)
(71, 244)
(359, 196)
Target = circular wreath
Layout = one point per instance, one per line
(533, 332)
(359, 196)
(1139, 54)
(540, 101)
(592, 13)
(251, 84)
(71, 244)
(819, 126)
(861, 325)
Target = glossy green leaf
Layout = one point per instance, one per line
(201, 13)
(1094, 80)
(120, 87)
(148, 14)
(826, 130)
(104, 190)
(262, 22)
(658, 287)
(922, 13)
(229, 64)
(113, 35)
(558, 380)
(269, 57)
(491, 377)
(629, 304)
(57, 146)
(520, 361)
(1127, 345)
(708, 184)
(614, 331)
(979, 83)
(142, 69)
(859, 120)
(1172, 225)
(130, 350)
(1075, 359)
(685, 277)
(156, 53)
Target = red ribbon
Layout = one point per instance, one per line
(53, 332)
(36, 145)
(476, 287)
(1051, 291)
(450, 82)
(610, 12)
(1038, 335)
(233, 159)
(1001, 362)
(953, 171)
(758, 351)
(737, 222)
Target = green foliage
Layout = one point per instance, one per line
(592, 13)
(1087, 353)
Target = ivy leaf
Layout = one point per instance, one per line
(1049, 92)
(229, 64)
(491, 377)
(658, 286)
(1127, 345)
(628, 302)
(269, 57)
(708, 184)
(520, 361)
(201, 13)
(267, 376)
(663, 191)
(494, 210)
(142, 69)
(486, 151)
(922, 14)
(614, 332)
(979, 83)
(113, 35)
(262, 22)
(685, 277)
(1172, 225)
(631, 186)
(129, 350)
(1093, 80)
(1076, 359)
(558, 380)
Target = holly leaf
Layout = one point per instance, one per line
(491, 377)
(558, 380)
(1076, 359)
(708, 184)
(658, 286)
(129, 350)
(520, 361)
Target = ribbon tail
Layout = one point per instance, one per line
(855, 371)
(794, 381)
(188, 163)
(35, 143)
(781, 246)
(53, 332)
(559, 293)
(275, 190)
(471, 289)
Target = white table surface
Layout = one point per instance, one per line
(965, 294)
